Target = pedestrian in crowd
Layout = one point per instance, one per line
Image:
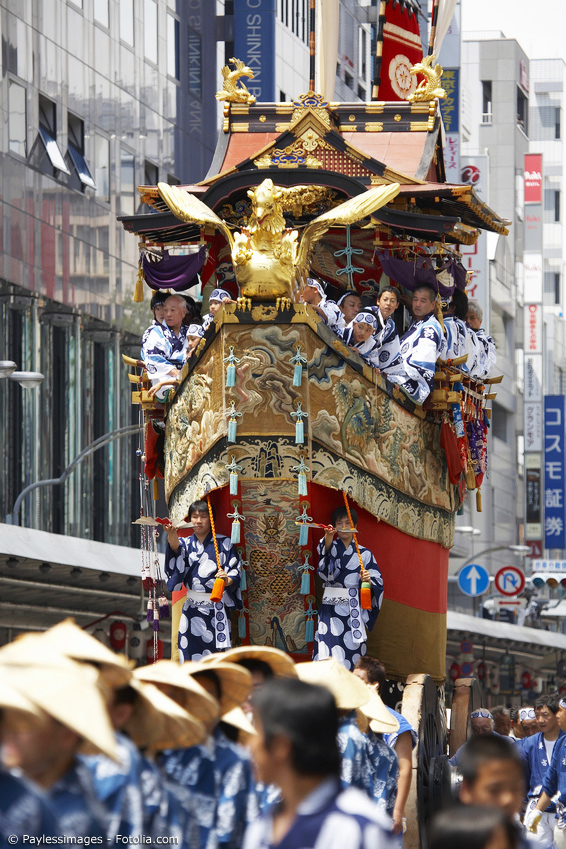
(523, 723)
(553, 786)
(492, 774)
(342, 622)
(314, 294)
(473, 827)
(481, 725)
(403, 740)
(195, 563)
(537, 752)
(383, 760)
(296, 748)
(501, 720)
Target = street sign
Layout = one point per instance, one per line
(473, 579)
(510, 581)
(536, 548)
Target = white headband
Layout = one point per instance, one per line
(528, 713)
(482, 713)
(366, 317)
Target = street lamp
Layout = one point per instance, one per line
(27, 379)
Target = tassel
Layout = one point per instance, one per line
(156, 489)
(306, 583)
(156, 624)
(299, 433)
(297, 374)
(149, 613)
(309, 630)
(478, 501)
(302, 484)
(243, 580)
(365, 596)
(231, 375)
(232, 424)
(233, 481)
(303, 535)
(217, 590)
(235, 533)
(242, 624)
(138, 291)
(163, 607)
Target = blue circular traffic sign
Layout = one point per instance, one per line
(473, 579)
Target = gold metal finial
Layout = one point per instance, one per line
(429, 88)
(234, 90)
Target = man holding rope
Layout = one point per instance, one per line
(197, 562)
(344, 566)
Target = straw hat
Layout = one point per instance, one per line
(157, 722)
(68, 692)
(280, 663)
(10, 698)
(348, 690)
(235, 681)
(67, 638)
(239, 720)
(196, 700)
(380, 719)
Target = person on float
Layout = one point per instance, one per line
(387, 351)
(359, 335)
(192, 562)
(459, 341)
(342, 622)
(350, 304)
(545, 756)
(314, 294)
(165, 348)
(486, 350)
(157, 306)
(217, 298)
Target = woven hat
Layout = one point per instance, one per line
(280, 663)
(10, 698)
(196, 700)
(235, 681)
(157, 722)
(68, 691)
(239, 720)
(380, 719)
(348, 690)
(67, 638)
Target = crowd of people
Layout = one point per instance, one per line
(408, 359)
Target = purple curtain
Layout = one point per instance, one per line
(421, 272)
(173, 272)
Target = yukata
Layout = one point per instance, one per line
(457, 341)
(76, 806)
(391, 737)
(163, 350)
(421, 346)
(355, 762)
(537, 762)
(386, 352)
(364, 349)
(24, 810)
(385, 772)
(487, 353)
(333, 315)
(219, 775)
(342, 624)
(205, 626)
(327, 819)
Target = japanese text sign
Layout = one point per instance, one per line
(554, 511)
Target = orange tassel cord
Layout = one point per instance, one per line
(365, 591)
(218, 588)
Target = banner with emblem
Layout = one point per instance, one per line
(398, 49)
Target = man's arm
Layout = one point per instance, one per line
(404, 749)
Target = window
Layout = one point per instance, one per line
(362, 69)
(522, 111)
(348, 79)
(17, 123)
(150, 30)
(127, 21)
(499, 421)
(126, 182)
(173, 66)
(487, 107)
(102, 167)
(48, 133)
(150, 174)
(551, 287)
(75, 131)
(101, 12)
(556, 205)
(361, 92)
(282, 96)
(557, 122)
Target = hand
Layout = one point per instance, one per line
(397, 822)
(328, 537)
(222, 574)
(532, 819)
(365, 576)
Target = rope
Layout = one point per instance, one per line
(352, 525)
(213, 531)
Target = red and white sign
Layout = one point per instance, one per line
(533, 177)
(536, 547)
(510, 581)
(533, 328)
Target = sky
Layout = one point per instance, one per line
(538, 25)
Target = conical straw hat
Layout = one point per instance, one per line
(280, 663)
(158, 722)
(239, 720)
(10, 698)
(235, 681)
(197, 701)
(67, 638)
(348, 690)
(381, 720)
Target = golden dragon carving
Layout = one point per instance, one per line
(234, 90)
(429, 88)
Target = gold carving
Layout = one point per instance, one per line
(397, 117)
(310, 102)
(262, 119)
(374, 126)
(429, 88)
(264, 313)
(234, 90)
(351, 117)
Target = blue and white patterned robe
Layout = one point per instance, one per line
(76, 806)
(533, 751)
(421, 346)
(457, 341)
(334, 317)
(385, 772)
(392, 736)
(327, 819)
(487, 353)
(554, 781)
(163, 350)
(355, 763)
(364, 349)
(24, 810)
(220, 776)
(204, 628)
(386, 352)
(340, 567)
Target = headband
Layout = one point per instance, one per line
(316, 284)
(528, 713)
(195, 330)
(366, 317)
(220, 295)
(482, 713)
(345, 295)
(562, 704)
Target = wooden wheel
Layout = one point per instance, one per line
(466, 698)
(423, 707)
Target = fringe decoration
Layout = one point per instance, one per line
(232, 421)
(478, 501)
(233, 468)
(243, 579)
(306, 569)
(149, 612)
(303, 535)
(231, 369)
(302, 470)
(298, 361)
(163, 607)
(365, 596)
(138, 290)
(156, 489)
(309, 625)
(303, 520)
(236, 517)
(217, 590)
(242, 625)
(299, 415)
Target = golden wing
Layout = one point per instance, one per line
(349, 212)
(187, 207)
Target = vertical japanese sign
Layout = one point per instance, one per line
(254, 42)
(554, 514)
(450, 111)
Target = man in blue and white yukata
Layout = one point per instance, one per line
(487, 353)
(165, 347)
(359, 334)
(314, 295)
(421, 346)
(205, 626)
(342, 624)
(387, 351)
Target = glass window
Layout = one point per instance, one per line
(150, 30)
(487, 107)
(126, 182)
(17, 123)
(127, 21)
(150, 174)
(102, 167)
(173, 67)
(48, 133)
(101, 12)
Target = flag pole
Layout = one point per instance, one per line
(312, 44)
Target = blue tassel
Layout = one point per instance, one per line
(302, 484)
(299, 433)
(306, 583)
(231, 375)
(233, 481)
(243, 580)
(232, 424)
(241, 625)
(297, 374)
(149, 614)
(309, 631)
(303, 535)
(235, 533)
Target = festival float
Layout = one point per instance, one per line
(274, 418)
